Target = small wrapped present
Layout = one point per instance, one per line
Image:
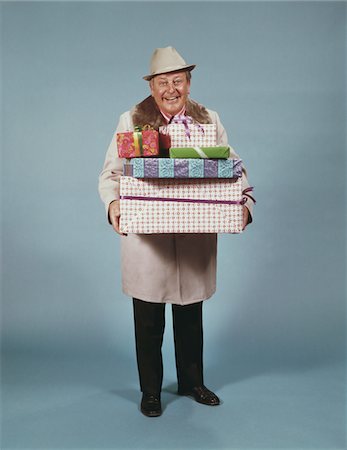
(185, 132)
(199, 152)
(164, 142)
(182, 168)
(152, 206)
(140, 142)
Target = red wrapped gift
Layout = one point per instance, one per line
(164, 141)
(140, 142)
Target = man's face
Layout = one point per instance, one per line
(170, 91)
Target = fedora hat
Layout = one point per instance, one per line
(165, 60)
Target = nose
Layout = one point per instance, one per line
(171, 87)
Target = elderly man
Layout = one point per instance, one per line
(166, 268)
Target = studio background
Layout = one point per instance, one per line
(275, 329)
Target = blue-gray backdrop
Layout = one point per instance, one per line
(276, 73)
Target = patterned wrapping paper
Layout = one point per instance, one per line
(132, 144)
(199, 152)
(202, 135)
(182, 168)
(153, 206)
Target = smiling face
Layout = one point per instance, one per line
(170, 91)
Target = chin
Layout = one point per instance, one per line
(178, 105)
(173, 109)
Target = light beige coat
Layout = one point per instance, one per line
(163, 268)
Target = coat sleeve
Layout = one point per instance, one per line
(113, 166)
(222, 139)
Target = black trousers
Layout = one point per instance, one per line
(188, 337)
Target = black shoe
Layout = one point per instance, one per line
(202, 395)
(150, 405)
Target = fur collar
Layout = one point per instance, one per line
(147, 112)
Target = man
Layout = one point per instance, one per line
(166, 268)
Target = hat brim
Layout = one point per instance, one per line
(169, 70)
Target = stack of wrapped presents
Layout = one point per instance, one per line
(194, 188)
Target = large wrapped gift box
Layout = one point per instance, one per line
(182, 168)
(199, 152)
(190, 135)
(152, 206)
(132, 144)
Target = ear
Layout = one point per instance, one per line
(151, 86)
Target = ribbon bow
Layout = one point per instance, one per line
(244, 192)
(186, 120)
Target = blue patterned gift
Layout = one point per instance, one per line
(182, 168)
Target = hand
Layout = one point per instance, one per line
(114, 215)
(245, 214)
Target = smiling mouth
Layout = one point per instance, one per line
(170, 99)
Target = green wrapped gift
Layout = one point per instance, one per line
(200, 152)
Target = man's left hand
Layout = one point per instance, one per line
(245, 213)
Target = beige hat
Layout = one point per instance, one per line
(166, 60)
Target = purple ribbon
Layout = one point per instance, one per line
(186, 120)
(185, 200)
(249, 189)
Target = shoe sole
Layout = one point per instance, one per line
(151, 414)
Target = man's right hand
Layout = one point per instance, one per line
(114, 215)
